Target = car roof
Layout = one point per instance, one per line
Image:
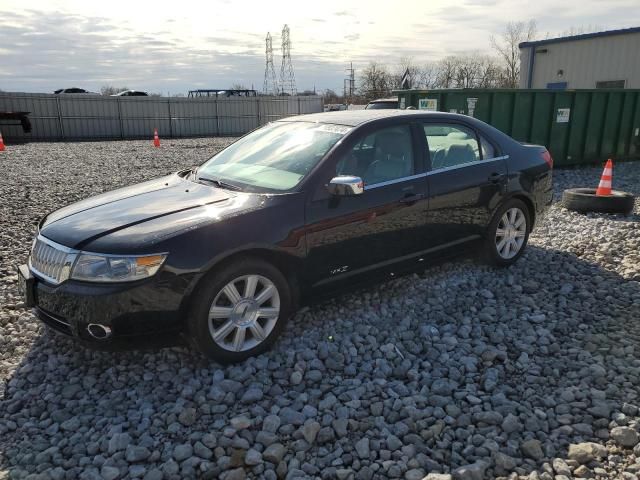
(354, 118)
(381, 100)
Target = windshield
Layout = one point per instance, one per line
(275, 157)
(381, 106)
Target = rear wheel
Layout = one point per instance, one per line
(507, 234)
(240, 310)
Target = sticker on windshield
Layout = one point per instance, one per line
(324, 127)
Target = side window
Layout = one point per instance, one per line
(384, 155)
(487, 149)
(451, 145)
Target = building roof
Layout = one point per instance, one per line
(584, 36)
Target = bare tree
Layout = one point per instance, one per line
(406, 65)
(447, 72)
(111, 90)
(490, 75)
(582, 29)
(375, 81)
(237, 86)
(428, 75)
(469, 70)
(507, 48)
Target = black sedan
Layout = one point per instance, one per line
(303, 207)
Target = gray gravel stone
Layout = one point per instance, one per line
(110, 473)
(625, 436)
(437, 370)
(182, 451)
(274, 453)
(310, 430)
(532, 449)
(586, 452)
(271, 423)
(137, 453)
(473, 471)
(253, 457)
(362, 448)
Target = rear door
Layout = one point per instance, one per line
(349, 235)
(467, 180)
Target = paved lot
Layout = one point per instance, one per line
(463, 369)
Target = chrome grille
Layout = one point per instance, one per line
(51, 261)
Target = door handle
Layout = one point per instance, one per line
(496, 177)
(411, 198)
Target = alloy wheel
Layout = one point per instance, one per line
(244, 312)
(511, 233)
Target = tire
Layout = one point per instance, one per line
(241, 313)
(516, 233)
(585, 200)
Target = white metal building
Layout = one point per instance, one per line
(594, 60)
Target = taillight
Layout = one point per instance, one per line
(547, 158)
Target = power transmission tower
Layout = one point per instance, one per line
(287, 78)
(270, 82)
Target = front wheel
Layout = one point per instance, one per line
(507, 234)
(240, 310)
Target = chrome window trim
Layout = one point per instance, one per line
(395, 180)
(477, 162)
(431, 172)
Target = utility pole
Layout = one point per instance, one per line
(349, 84)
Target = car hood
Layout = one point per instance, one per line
(85, 221)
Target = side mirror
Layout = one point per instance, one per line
(346, 186)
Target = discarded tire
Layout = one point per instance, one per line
(585, 200)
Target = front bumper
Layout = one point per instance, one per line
(137, 313)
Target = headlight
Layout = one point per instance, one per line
(93, 267)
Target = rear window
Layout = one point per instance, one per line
(451, 145)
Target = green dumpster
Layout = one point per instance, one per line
(577, 126)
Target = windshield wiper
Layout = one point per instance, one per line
(218, 183)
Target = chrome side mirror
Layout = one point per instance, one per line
(346, 186)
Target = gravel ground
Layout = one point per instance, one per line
(465, 371)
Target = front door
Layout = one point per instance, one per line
(467, 181)
(349, 235)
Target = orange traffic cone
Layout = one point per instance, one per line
(1, 143)
(604, 188)
(156, 139)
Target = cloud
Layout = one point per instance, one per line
(212, 46)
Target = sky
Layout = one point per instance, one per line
(171, 47)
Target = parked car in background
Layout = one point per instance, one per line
(73, 90)
(382, 103)
(226, 252)
(131, 93)
(334, 107)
